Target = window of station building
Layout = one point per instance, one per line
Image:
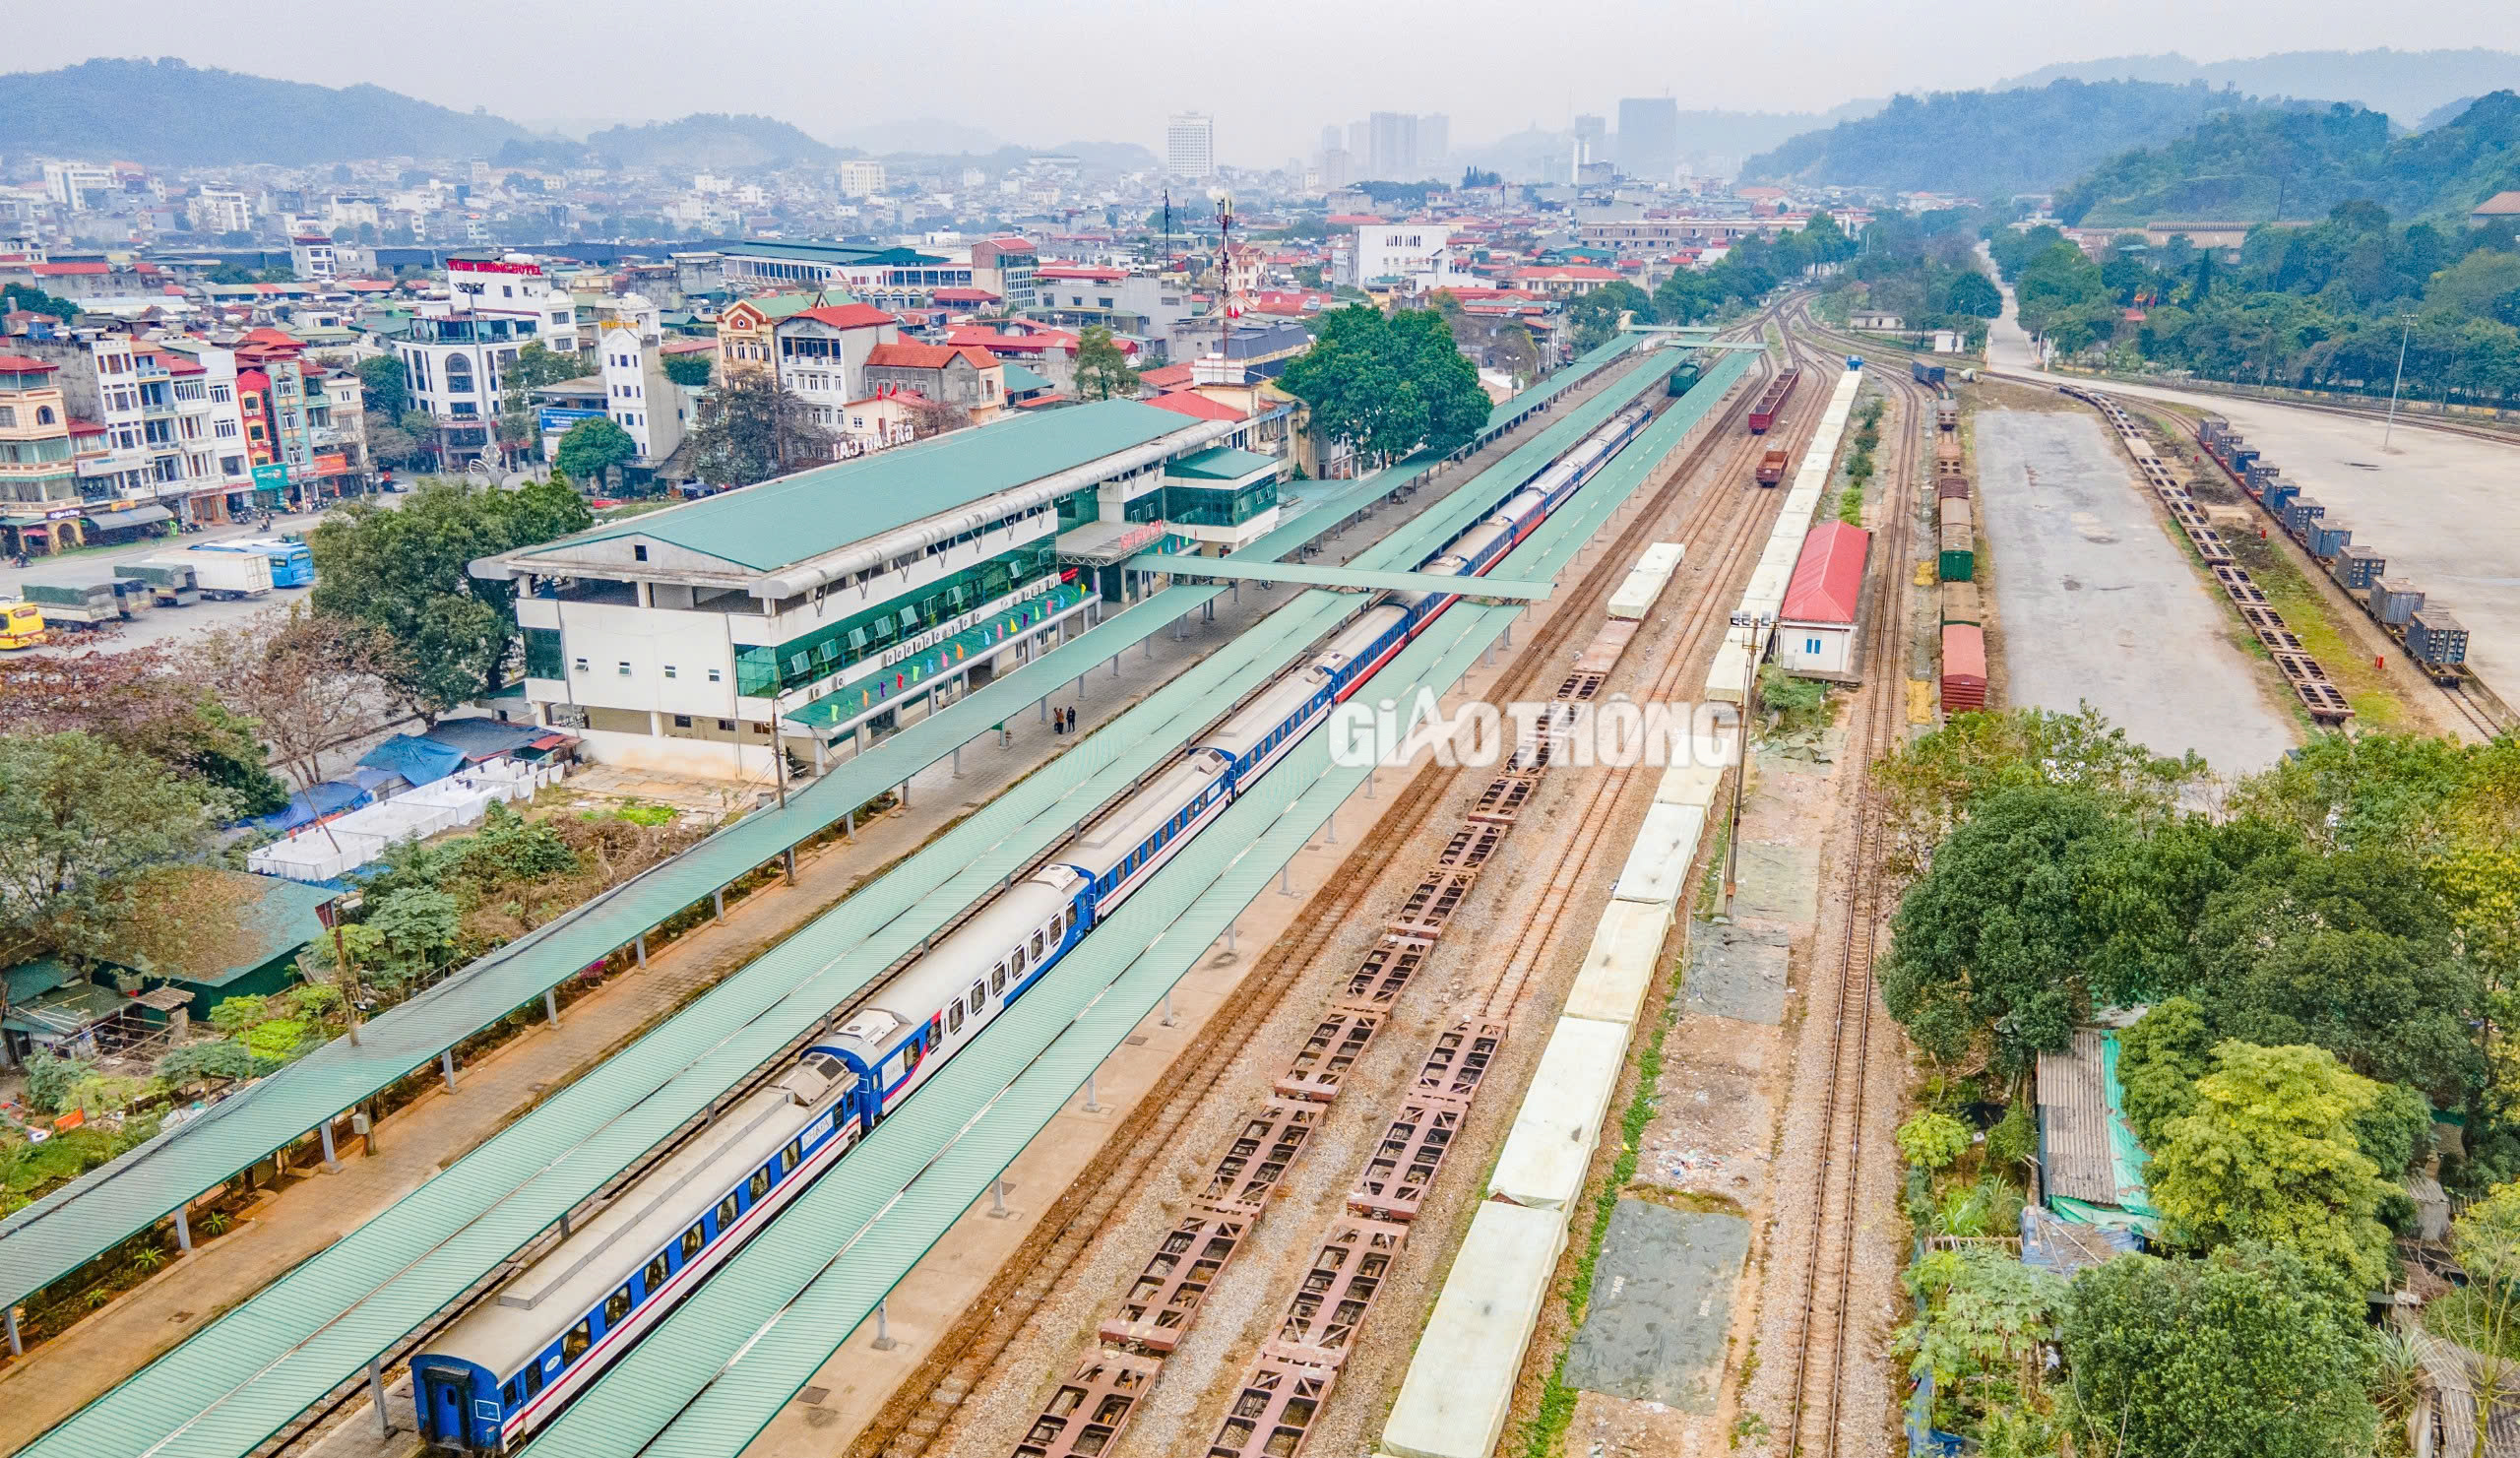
(624, 668)
(670, 671)
(582, 666)
(682, 720)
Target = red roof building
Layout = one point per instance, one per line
(1195, 405)
(1816, 627)
(847, 316)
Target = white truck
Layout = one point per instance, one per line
(230, 574)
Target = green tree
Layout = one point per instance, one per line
(592, 446)
(2241, 1354)
(537, 364)
(27, 296)
(1933, 1140)
(1101, 367)
(749, 428)
(2271, 1155)
(383, 388)
(1974, 295)
(1991, 945)
(688, 370)
(84, 825)
(1387, 385)
(1593, 316)
(405, 570)
(2159, 1062)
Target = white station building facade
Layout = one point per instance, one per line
(817, 610)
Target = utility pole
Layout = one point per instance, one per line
(1753, 622)
(2405, 323)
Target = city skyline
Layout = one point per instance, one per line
(1266, 118)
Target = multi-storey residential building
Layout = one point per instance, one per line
(220, 210)
(637, 394)
(78, 185)
(157, 426)
(1191, 145)
(745, 328)
(1415, 255)
(455, 354)
(860, 179)
(963, 377)
(1007, 268)
(822, 354)
(40, 503)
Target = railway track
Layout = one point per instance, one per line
(1814, 1414)
(975, 1351)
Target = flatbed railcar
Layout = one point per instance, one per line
(501, 1370)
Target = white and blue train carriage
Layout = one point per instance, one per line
(509, 1364)
(943, 999)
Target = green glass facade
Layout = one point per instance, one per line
(1200, 506)
(765, 670)
(542, 654)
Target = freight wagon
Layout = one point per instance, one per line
(1958, 562)
(1964, 667)
(1763, 414)
(1946, 414)
(1772, 467)
(1925, 374)
(1960, 603)
(2325, 538)
(2358, 567)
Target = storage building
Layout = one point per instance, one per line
(1816, 629)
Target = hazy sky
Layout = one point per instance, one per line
(1041, 72)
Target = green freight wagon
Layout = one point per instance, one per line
(1959, 563)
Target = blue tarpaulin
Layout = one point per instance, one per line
(422, 761)
(483, 738)
(325, 798)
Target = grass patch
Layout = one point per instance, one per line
(2305, 609)
(1547, 1430)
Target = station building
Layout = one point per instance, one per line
(820, 611)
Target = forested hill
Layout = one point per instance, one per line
(1993, 144)
(706, 142)
(2260, 165)
(168, 113)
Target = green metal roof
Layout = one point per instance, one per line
(1219, 464)
(280, 921)
(1020, 380)
(806, 251)
(796, 518)
(223, 1393)
(706, 1380)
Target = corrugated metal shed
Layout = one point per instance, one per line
(1828, 577)
(2073, 1122)
(328, 1317)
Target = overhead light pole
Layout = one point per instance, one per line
(2405, 323)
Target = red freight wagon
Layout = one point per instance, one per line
(1771, 398)
(1964, 667)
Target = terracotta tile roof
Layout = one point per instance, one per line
(1195, 405)
(845, 316)
(23, 365)
(1165, 376)
(904, 356)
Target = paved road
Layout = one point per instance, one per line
(161, 624)
(2440, 506)
(2096, 605)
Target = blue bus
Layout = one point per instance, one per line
(293, 565)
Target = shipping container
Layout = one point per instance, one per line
(1772, 400)
(2394, 600)
(1959, 559)
(2299, 512)
(2326, 539)
(1772, 467)
(1964, 668)
(2358, 567)
(2243, 456)
(2212, 428)
(2279, 493)
(1925, 374)
(1960, 603)
(2435, 639)
(233, 574)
